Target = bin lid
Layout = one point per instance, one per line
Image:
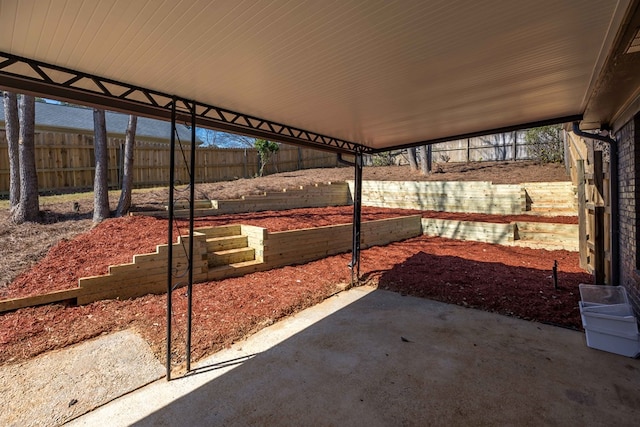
(603, 294)
(619, 310)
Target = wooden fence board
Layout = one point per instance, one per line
(66, 162)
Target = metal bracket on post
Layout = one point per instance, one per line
(357, 220)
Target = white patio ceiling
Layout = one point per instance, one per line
(380, 73)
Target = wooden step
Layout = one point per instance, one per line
(548, 245)
(231, 256)
(220, 231)
(545, 227)
(223, 243)
(552, 212)
(548, 237)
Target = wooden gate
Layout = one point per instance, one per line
(589, 163)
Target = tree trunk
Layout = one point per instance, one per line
(101, 178)
(425, 159)
(28, 208)
(12, 128)
(411, 154)
(124, 204)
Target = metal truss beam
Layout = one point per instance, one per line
(41, 79)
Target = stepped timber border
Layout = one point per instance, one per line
(147, 273)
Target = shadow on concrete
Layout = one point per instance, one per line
(385, 359)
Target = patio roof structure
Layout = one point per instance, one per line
(350, 76)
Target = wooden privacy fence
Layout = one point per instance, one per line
(497, 147)
(66, 162)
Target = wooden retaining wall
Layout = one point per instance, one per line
(536, 198)
(445, 196)
(540, 235)
(469, 230)
(148, 272)
(300, 246)
(317, 195)
(535, 235)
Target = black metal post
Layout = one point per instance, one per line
(172, 161)
(357, 219)
(192, 185)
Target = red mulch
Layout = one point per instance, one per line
(508, 280)
(115, 241)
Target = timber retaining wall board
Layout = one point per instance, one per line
(300, 246)
(317, 195)
(467, 230)
(147, 274)
(535, 235)
(540, 235)
(450, 196)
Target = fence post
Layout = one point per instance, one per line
(120, 165)
(468, 150)
(515, 146)
(245, 163)
(299, 158)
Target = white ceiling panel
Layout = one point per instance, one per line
(377, 72)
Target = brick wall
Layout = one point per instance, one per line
(629, 201)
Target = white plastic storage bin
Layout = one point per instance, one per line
(615, 318)
(603, 294)
(613, 342)
(608, 320)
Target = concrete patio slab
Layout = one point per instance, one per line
(376, 358)
(56, 387)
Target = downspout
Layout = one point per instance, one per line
(614, 192)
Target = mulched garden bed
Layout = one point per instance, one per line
(508, 280)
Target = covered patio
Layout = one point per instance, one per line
(358, 77)
(376, 358)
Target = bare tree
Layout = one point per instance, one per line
(12, 128)
(28, 208)
(212, 138)
(101, 177)
(124, 204)
(411, 154)
(425, 159)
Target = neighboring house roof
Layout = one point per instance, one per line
(66, 118)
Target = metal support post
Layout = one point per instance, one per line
(192, 188)
(172, 161)
(357, 219)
